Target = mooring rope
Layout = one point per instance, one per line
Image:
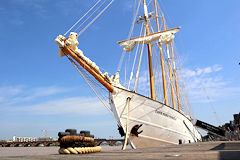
(79, 150)
(127, 125)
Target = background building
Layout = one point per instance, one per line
(24, 139)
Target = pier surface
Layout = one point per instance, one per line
(206, 150)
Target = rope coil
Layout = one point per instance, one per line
(79, 150)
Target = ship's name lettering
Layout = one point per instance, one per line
(164, 114)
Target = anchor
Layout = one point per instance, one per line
(134, 130)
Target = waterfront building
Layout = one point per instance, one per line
(24, 139)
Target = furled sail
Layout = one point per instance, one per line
(164, 37)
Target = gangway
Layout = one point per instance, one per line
(210, 128)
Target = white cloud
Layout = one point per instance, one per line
(20, 93)
(1, 99)
(12, 100)
(204, 84)
(73, 105)
(200, 71)
(11, 90)
(47, 91)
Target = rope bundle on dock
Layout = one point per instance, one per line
(73, 143)
(79, 150)
(76, 138)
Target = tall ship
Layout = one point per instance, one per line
(149, 113)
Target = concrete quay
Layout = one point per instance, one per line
(222, 150)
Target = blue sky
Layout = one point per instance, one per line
(39, 90)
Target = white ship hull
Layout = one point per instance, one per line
(162, 125)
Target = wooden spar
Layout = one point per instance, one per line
(175, 75)
(162, 60)
(96, 75)
(163, 77)
(150, 34)
(151, 78)
(156, 15)
(170, 70)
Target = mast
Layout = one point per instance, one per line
(163, 37)
(170, 69)
(149, 52)
(162, 60)
(174, 69)
(175, 75)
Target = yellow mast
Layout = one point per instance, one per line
(162, 60)
(175, 75)
(149, 53)
(156, 15)
(170, 69)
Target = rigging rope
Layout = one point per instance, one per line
(134, 20)
(81, 18)
(95, 18)
(131, 74)
(210, 102)
(90, 16)
(129, 35)
(88, 80)
(138, 67)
